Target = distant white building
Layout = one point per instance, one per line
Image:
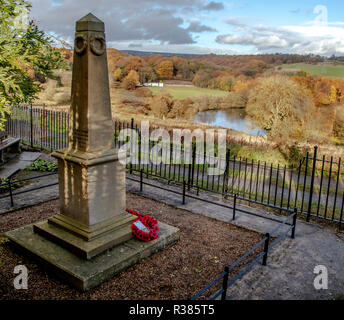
(153, 84)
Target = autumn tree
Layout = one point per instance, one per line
(133, 64)
(182, 108)
(324, 90)
(240, 86)
(202, 79)
(26, 53)
(338, 127)
(165, 70)
(161, 105)
(333, 94)
(147, 74)
(118, 74)
(281, 106)
(131, 80)
(254, 67)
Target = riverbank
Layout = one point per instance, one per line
(242, 144)
(137, 104)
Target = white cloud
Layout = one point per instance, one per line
(338, 23)
(312, 38)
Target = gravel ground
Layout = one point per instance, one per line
(179, 272)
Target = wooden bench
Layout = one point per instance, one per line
(3, 136)
(13, 143)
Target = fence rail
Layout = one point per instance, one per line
(315, 186)
(39, 127)
(263, 254)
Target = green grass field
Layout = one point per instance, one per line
(180, 92)
(318, 70)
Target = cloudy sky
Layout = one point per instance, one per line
(204, 26)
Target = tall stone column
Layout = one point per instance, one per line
(91, 179)
(90, 240)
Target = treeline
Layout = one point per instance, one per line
(205, 71)
(236, 74)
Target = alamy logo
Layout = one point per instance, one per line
(139, 151)
(20, 281)
(322, 15)
(321, 280)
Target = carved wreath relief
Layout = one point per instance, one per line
(95, 42)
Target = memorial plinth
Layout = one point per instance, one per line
(92, 223)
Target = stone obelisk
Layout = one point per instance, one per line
(91, 177)
(90, 240)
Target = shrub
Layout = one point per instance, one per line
(281, 106)
(237, 100)
(4, 184)
(131, 80)
(161, 105)
(338, 127)
(144, 92)
(44, 166)
(118, 74)
(209, 103)
(181, 108)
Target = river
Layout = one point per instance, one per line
(231, 118)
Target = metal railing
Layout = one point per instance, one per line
(12, 184)
(315, 186)
(39, 127)
(262, 255)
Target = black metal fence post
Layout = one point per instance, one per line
(10, 189)
(41, 113)
(51, 135)
(141, 180)
(193, 163)
(312, 183)
(184, 191)
(294, 224)
(225, 284)
(31, 126)
(225, 176)
(131, 146)
(266, 248)
(234, 206)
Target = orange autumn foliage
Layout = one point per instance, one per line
(323, 90)
(165, 70)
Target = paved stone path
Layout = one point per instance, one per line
(289, 273)
(22, 161)
(31, 198)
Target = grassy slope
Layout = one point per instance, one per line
(319, 70)
(182, 92)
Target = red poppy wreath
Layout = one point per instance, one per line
(144, 227)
